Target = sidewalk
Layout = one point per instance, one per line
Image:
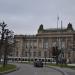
(69, 71)
(59, 69)
(65, 71)
(71, 64)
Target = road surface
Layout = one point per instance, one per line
(26, 69)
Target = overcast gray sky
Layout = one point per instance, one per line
(25, 16)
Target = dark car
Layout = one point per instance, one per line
(38, 63)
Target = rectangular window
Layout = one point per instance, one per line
(45, 54)
(34, 54)
(26, 54)
(30, 53)
(45, 44)
(39, 53)
(34, 44)
(40, 43)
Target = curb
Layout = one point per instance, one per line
(58, 69)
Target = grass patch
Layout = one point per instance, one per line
(8, 67)
(27, 62)
(62, 65)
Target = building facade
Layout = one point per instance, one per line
(41, 44)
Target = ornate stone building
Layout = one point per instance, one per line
(41, 44)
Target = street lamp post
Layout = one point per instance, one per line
(29, 54)
(45, 57)
(29, 49)
(57, 42)
(62, 53)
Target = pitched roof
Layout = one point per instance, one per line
(54, 30)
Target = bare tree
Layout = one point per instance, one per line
(6, 43)
(3, 26)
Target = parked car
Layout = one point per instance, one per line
(38, 63)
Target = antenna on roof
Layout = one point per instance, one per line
(57, 21)
(61, 26)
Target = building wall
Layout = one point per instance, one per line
(40, 45)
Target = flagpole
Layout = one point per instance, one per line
(57, 29)
(61, 34)
(61, 43)
(57, 40)
(57, 22)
